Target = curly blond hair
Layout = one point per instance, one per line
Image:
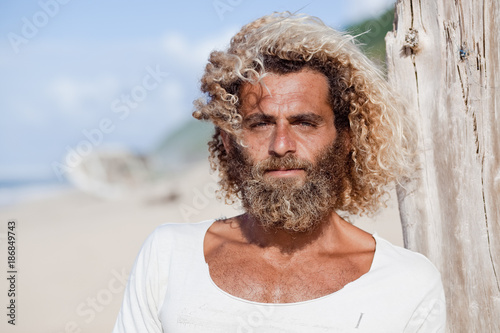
(364, 104)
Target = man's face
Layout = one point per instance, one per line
(287, 115)
(290, 166)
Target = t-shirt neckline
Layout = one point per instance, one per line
(206, 272)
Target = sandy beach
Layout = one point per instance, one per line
(74, 250)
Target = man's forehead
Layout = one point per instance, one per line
(252, 99)
(304, 89)
(297, 79)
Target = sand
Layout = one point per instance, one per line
(75, 250)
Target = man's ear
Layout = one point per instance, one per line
(226, 140)
(346, 138)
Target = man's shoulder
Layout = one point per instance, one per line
(405, 263)
(178, 236)
(180, 228)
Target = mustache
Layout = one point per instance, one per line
(279, 163)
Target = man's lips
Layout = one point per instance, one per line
(283, 172)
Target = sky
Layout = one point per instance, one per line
(77, 75)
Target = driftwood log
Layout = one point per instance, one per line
(444, 58)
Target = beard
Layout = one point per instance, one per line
(288, 203)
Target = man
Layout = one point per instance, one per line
(305, 128)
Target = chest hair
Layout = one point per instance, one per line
(252, 276)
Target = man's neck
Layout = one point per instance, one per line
(327, 232)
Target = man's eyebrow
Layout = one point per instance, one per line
(309, 117)
(256, 117)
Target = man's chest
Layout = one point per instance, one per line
(252, 277)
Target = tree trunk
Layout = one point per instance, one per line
(443, 56)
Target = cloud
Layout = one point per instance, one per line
(72, 94)
(187, 58)
(190, 52)
(358, 10)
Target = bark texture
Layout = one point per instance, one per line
(444, 58)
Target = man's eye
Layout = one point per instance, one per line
(259, 124)
(307, 124)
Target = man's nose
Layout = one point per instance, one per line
(282, 141)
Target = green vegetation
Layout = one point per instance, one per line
(371, 34)
(186, 144)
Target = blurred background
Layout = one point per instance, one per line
(97, 142)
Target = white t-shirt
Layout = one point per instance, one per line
(170, 290)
